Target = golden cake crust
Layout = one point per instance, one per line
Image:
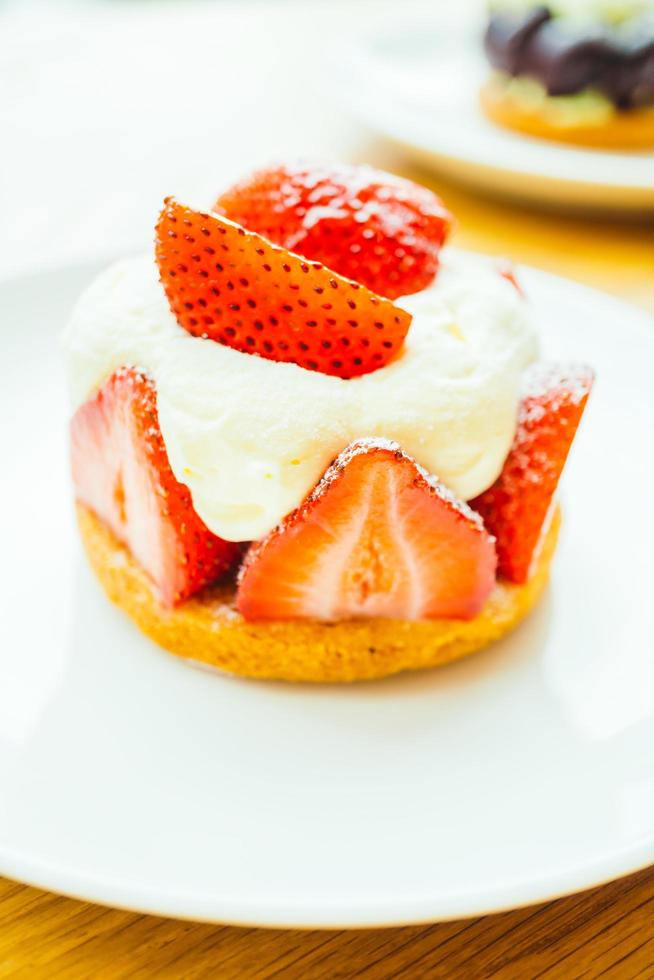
(633, 130)
(207, 628)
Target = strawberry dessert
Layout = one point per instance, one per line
(309, 441)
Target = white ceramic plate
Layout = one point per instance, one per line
(416, 81)
(131, 778)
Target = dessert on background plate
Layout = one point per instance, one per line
(310, 442)
(574, 71)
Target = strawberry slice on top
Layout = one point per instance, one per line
(234, 287)
(516, 508)
(377, 537)
(378, 229)
(121, 472)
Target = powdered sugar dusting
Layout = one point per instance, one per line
(572, 382)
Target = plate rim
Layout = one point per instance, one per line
(218, 909)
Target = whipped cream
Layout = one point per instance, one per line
(251, 437)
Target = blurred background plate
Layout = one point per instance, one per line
(416, 79)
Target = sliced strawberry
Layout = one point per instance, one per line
(377, 537)
(516, 507)
(370, 226)
(121, 472)
(234, 287)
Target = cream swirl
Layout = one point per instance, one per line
(250, 437)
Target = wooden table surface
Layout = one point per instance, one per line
(606, 932)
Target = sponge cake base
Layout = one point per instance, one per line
(209, 629)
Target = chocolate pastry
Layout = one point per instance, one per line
(567, 57)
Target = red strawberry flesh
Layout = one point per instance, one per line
(382, 231)
(507, 270)
(376, 538)
(234, 287)
(121, 472)
(515, 509)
